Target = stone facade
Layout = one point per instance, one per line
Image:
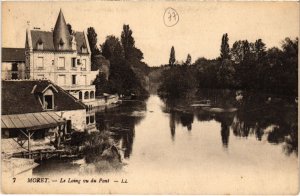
(13, 63)
(61, 57)
(12, 70)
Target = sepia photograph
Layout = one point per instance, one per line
(150, 97)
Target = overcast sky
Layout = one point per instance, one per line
(198, 31)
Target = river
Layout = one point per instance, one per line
(173, 148)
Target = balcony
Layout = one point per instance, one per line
(78, 87)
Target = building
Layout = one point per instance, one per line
(39, 97)
(62, 57)
(13, 63)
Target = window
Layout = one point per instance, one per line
(78, 62)
(92, 119)
(80, 95)
(86, 95)
(73, 62)
(84, 64)
(14, 67)
(61, 44)
(61, 62)
(40, 46)
(48, 100)
(92, 95)
(87, 120)
(61, 80)
(40, 62)
(83, 49)
(73, 79)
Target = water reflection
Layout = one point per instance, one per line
(120, 122)
(277, 121)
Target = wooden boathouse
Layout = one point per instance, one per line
(36, 117)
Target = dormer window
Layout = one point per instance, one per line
(61, 44)
(83, 48)
(40, 44)
(48, 100)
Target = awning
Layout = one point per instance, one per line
(31, 121)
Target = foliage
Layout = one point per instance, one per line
(248, 66)
(122, 79)
(127, 41)
(70, 28)
(102, 84)
(225, 47)
(177, 81)
(92, 38)
(172, 58)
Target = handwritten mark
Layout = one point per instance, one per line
(171, 17)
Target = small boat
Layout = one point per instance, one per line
(220, 110)
(202, 103)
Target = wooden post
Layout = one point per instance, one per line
(28, 132)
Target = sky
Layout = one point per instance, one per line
(198, 31)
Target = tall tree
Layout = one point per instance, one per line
(122, 79)
(188, 60)
(225, 51)
(172, 58)
(92, 38)
(226, 70)
(70, 28)
(127, 41)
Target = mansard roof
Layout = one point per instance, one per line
(59, 39)
(13, 55)
(48, 43)
(24, 96)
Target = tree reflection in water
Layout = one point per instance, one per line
(120, 122)
(276, 120)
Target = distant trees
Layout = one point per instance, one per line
(225, 74)
(172, 58)
(188, 60)
(247, 65)
(225, 47)
(178, 80)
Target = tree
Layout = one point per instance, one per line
(226, 70)
(259, 49)
(112, 49)
(92, 38)
(122, 78)
(226, 74)
(70, 28)
(127, 41)
(172, 58)
(225, 51)
(188, 60)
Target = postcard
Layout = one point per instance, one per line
(151, 97)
